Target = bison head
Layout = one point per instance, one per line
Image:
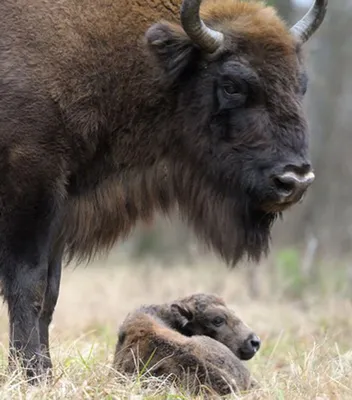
(237, 80)
(207, 314)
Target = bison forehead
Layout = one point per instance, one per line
(200, 302)
(255, 34)
(253, 20)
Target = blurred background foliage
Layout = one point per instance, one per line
(312, 245)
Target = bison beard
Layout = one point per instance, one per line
(231, 226)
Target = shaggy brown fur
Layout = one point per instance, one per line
(107, 182)
(195, 315)
(95, 220)
(108, 114)
(154, 337)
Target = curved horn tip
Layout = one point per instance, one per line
(311, 21)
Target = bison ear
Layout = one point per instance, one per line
(172, 48)
(182, 314)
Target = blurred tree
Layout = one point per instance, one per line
(326, 213)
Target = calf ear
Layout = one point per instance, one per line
(172, 48)
(182, 314)
(122, 337)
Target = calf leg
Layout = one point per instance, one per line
(51, 296)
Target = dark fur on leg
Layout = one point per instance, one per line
(26, 278)
(50, 301)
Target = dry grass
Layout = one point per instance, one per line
(306, 351)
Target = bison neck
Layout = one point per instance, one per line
(119, 175)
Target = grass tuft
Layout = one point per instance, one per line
(306, 346)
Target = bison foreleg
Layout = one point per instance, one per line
(25, 295)
(25, 255)
(51, 296)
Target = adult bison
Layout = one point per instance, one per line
(108, 114)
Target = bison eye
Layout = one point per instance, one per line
(218, 321)
(233, 93)
(232, 88)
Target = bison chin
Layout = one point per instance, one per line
(232, 226)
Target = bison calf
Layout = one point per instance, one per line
(197, 340)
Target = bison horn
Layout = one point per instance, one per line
(208, 39)
(305, 27)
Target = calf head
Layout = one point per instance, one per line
(206, 314)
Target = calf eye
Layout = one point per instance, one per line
(218, 321)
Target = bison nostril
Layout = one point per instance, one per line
(250, 347)
(291, 184)
(283, 185)
(255, 343)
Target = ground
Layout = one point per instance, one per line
(306, 344)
